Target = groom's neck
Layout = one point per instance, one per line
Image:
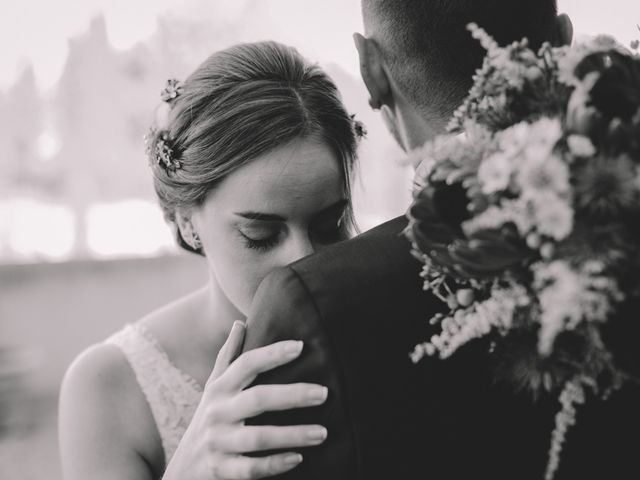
(419, 126)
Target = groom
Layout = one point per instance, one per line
(360, 308)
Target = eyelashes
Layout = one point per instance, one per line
(323, 235)
(261, 245)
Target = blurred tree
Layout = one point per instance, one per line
(21, 122)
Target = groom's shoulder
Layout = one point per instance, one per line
(377, 255)
(373, 274)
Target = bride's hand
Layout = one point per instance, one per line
(214, 444)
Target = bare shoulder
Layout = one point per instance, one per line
(105, 424)
(100, 366)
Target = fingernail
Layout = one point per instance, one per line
(317, 434)
(317, 394)
(293, 348)
(239, 324)
(292, 459)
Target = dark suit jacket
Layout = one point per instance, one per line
(360, 308)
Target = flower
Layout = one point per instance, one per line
(573, 394)
(559, 294)
(607, 186)
(545, 174)
(530, 141)
(580, 146)
(496, 312)
(494, 173)
(552, 216)
(172, 89)
(161, 151)
(515, 211)
(527, 227)
(545, 213)
(569, 296)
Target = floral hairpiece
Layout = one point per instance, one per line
(171, 91)
(358, 127)
(160, 150)
(159, 147)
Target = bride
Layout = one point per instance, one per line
(252, 167)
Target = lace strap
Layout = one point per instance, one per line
(171, 394)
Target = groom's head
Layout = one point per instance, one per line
(418, 58)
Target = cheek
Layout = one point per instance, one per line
(238, 270)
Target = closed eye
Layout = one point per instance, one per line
(262, 244)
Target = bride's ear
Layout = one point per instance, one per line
(372, 71)
(563, 31)
(189, 235)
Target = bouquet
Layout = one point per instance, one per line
(527, 217)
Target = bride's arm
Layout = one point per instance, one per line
(107, 434)
(103, 420)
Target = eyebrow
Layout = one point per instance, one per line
(270, 217)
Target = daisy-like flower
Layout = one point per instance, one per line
(494, 173)
(570, 296)
(172, 89)
(552, 215)
(607, 186)
(546, 174)
(531, 140)
(559, 294)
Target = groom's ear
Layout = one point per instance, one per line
(372, 71)
(563, 31)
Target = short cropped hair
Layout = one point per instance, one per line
(428, 49)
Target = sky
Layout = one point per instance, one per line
(36, 31)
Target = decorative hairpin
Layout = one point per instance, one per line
(160, 150)
(159, 147)
(172, 89)
(358, 127)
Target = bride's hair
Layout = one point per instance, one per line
(241, 103)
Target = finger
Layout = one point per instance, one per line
(246, 439)
(267, 398)
(245, 468)
(254, 362)
(230, 350)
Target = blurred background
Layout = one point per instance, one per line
(83, 246)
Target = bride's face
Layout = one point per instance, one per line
(278, 208)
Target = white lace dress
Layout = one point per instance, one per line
(172, 394)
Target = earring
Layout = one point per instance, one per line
(196, 242)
